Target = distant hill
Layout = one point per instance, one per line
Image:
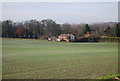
(112, 23)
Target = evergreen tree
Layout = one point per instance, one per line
(87, 28)
(117, 30)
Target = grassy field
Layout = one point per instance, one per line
(37, 59)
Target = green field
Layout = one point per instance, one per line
(38, 59)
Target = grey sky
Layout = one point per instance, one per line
(60, 0)
(61, 12)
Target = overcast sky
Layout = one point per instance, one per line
(59, 0)
(61, 12)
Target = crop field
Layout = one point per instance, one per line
(38, 59)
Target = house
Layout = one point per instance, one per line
(66, 37)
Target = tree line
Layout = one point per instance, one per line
(48, 27)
